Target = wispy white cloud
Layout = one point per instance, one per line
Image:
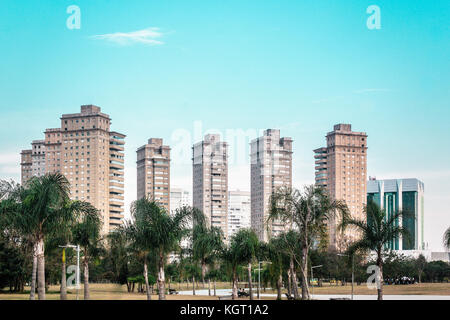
(146, 36)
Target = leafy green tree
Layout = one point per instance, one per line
(437, 271)
(309, 212)
(375, 233)
(12, 267)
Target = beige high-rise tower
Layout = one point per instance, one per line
(341, 168)
(271, 168)
(92, 159)
(153, 172)
(210, 185)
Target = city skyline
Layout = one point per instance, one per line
(300, 68)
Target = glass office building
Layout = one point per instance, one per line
(406, 195)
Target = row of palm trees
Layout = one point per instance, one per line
(42, 215)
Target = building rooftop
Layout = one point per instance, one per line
(392, 185)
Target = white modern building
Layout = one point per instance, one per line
(405, 195)
(238, 211)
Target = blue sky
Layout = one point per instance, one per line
(300, 66)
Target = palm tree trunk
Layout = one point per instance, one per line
(147, 287)
(33, 274)
(41, 269)
(250, 289)
(209, 287)
(234, 290)
(63, 291)
(380, 276)
(161, 279)
(203, 273)
(293, 278)
(193, 285)
(86, 279)
(214, 287)
(305, 288)
(289, 283)
(279, 284)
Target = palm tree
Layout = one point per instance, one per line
(206, 243)
(275, 254)
(447, 238)
(119, 256)
(86, 233)
(308, 212)
(42, 213)
(247, 244)
(139, 235)
(376, 232)
(230, 256)
(163, 232)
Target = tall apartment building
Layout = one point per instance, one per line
(210, 185)
(153, 172)
(405, 195)
(341, 168)
(90, 156)
(238, 211)
(26, 163)
(271, 168)
(33, 161)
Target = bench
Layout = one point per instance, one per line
(173, 291)
(289, 297)
(225, 297)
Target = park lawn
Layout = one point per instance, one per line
(119, 292)
(103, 292)
(411, 289)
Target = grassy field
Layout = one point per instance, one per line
(118, 292)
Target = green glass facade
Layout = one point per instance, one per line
(409, 221)
(406, 195)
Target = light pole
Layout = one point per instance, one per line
(312, 277)
(259, 275)
(77, 248)
(353, 268)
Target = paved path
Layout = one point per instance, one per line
(225, 292)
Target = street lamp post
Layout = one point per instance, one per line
(312, 277)
(353, 269)
(259, 275)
